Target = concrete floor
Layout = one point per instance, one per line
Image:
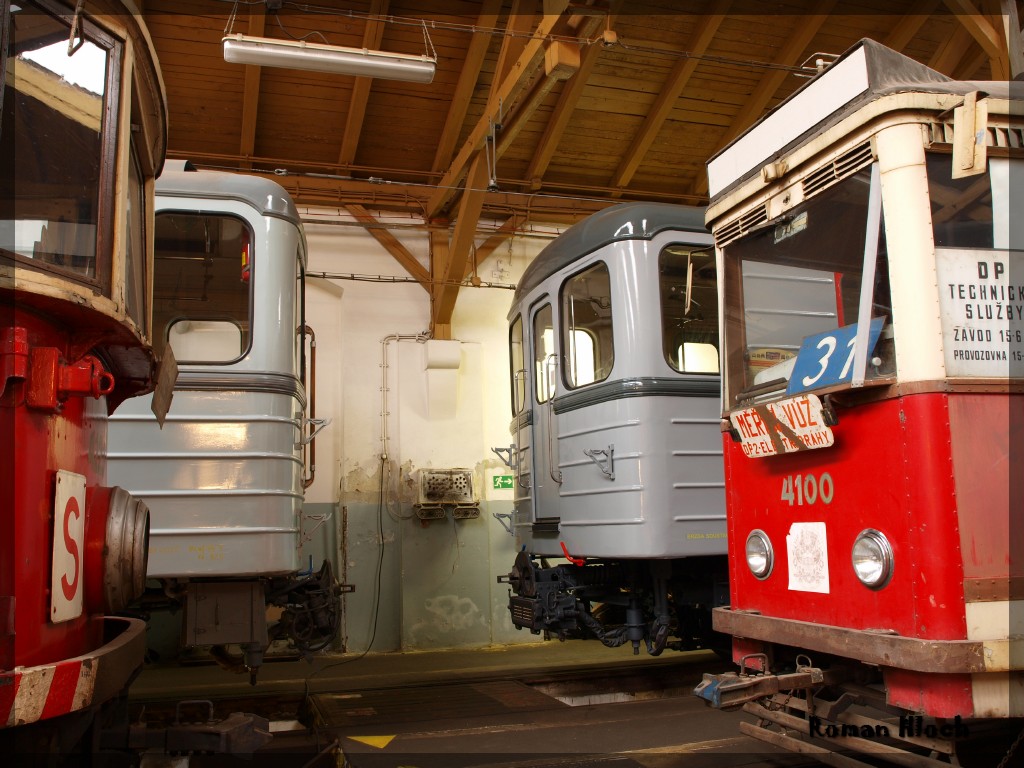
(334, 673)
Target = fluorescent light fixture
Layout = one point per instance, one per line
(360, 62)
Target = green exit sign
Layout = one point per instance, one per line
(502, 482)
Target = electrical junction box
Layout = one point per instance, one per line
(443, 489)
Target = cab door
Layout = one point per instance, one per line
(544, 439)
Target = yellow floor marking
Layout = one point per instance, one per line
(374, 741)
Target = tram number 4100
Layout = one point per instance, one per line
(799, 490)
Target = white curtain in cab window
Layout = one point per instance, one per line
(1007, 185)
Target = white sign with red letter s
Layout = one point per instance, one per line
(68, 547)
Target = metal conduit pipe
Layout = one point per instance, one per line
(420, 338)
(308, 331)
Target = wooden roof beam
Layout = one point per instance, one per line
(391, 245)
(762, 94)
(561, 62)
(949, 54)
(446, 291)
(448, 260)
(501, 102)
(1014, 38)
(568, 99)
(476, 52)
(373, 33)
(506, 88)
(985, 34)
(251, 92)
(501, 234)
(438, 263)
(677, 80)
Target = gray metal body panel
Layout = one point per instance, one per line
(223, 477)
(662, 428)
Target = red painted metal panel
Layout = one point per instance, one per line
(931, 695)
(890, 469)
(980, 426)
(73, 438)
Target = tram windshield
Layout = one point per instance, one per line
(797, 281)
(52, 218)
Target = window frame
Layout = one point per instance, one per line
(102, 279)
(518, 393)
(569, 329)
(161, 334)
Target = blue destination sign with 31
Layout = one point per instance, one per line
(826, 359)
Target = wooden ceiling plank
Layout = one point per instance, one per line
(251, 92)
(373, 33)
(909, 24)
(470, 73)
(670, 92)
(766, 88)
(391, 244)
(502, 98)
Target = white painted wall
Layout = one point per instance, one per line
(437, 585)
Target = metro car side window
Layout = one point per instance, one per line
(689, 309)
(202, 293)
(544, 355)
(518, 365)
(587, 320)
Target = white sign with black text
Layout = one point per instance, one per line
(981, 296)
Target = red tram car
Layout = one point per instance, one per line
(82, 137)
(872, 279)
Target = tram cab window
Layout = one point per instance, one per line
(961, 208)
(135, 245)
(517, 361)
(54, 219)
(798, 277)
(544, 354)
(587, 323)
(689, 309)
(202, 286)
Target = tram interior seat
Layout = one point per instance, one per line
(205, 340)
(781, 370)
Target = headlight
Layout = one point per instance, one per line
(872, 558)
(760, 557)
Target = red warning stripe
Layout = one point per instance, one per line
(61, 696)
(40, 693)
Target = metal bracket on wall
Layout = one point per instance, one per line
(319, 425)
(505, 518)
(508, 456)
